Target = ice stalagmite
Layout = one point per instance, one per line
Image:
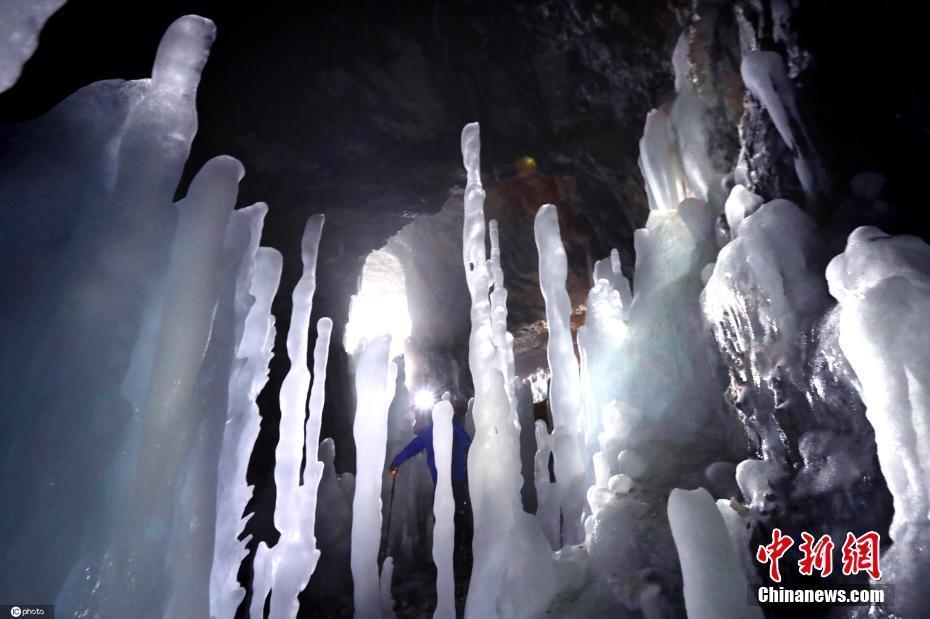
(375, 378)
(565, 385)
(882, 284)
(443, 510)
(249, 374)
(714, 583)
(511, 555)
(286, 568)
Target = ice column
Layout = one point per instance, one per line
(511, 554)
(715, 585)
(249, 374)
(882, 284)
(565, 385)
(443, 510)
(375, 378)
(286, 568)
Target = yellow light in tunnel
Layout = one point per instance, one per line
(380, 306)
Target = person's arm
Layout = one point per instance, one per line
(413, 448)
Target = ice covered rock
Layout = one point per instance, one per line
(763, 294)
(765, 76)
(882, 284)
(740, 204)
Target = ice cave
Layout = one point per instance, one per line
(524, 309)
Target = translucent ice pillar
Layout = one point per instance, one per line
(565, 385)
(443, 510)
(286, 568)
(511, 554)
(375, 378)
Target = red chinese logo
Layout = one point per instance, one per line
(817, 556)
(773, 552)
(860, 554)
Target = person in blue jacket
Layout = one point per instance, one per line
(461, 441)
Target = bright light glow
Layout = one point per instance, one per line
(380, 306)
(424, 399)
(539, 384)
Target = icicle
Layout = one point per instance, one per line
(249, 375)
(511, 554)
(565, 386)
(375, 378)
(766, 78)
(443, 510)
(286, 568)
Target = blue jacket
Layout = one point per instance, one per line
(424, 440)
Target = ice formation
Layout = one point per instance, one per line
(882, 284)
(154, 514)
(766, 78)
(547, 500)
(714, 583)
(20, 23)
(443, 509)
(285, 568)
(250, 370)
(511, 554)
(565, 384)
(375, 376)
